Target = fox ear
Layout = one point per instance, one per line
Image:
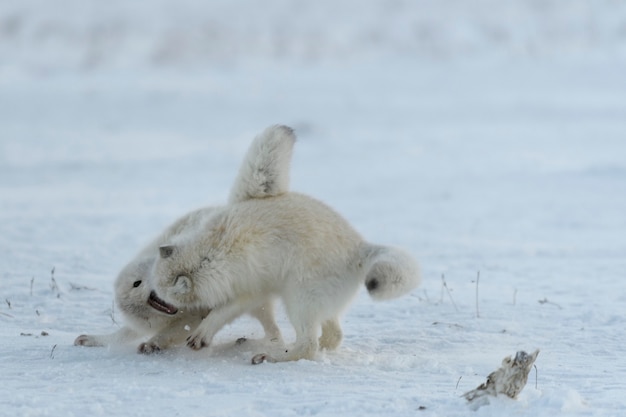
(166, 251)
(182, 284)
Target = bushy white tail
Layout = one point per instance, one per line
(265, 168)
(390, 272)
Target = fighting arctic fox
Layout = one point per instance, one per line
(285, 245)
(264, 173)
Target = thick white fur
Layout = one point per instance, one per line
(131, 296)
(264, 172)
(265, 169)
(289, 246)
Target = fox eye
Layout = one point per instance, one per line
(136, 284)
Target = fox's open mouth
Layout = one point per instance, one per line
(160, 305)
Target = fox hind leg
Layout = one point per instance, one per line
(306, 344)
(331, 334)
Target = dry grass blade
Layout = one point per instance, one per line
(477, 281)
(445, 285)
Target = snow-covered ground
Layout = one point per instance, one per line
(488, 138)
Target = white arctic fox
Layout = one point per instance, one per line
(289, 246)
(263, 173)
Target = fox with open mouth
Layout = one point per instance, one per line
(287, 246)
(264, 173)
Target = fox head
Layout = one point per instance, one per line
(135, 299)
(199, 269)
(180, 275)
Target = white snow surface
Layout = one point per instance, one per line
(485, 137)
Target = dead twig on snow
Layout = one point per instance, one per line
(53, 284)
(445, 285)
(546, 301)
(477, 280)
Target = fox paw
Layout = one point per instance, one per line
(86, 340)
(258, 359)
(262, 357)
(148, 348)
(196, 342)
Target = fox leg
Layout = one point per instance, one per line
(265, 315)
(203, 335)
(175, 333)
(124, 334)
(306, 344)
(331, 334)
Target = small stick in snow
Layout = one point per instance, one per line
(113, 312)
(443, 280)
(455, 325)
(546, 301)
(52, 352)
(509, 379)
(32, 281)
(53, 284)
(477, 280)
(8, 302)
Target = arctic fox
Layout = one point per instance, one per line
(289, 246)
(263, 173)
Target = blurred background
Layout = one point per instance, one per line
(484, 126)
(40, 37)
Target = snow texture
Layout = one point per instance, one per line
(482, 137)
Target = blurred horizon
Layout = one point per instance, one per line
(39, 37)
